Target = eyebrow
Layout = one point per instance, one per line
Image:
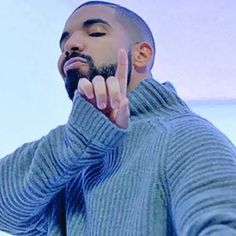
(90, 22)
(86, 24)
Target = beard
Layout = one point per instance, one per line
(74, 75)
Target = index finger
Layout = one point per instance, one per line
(122, 71)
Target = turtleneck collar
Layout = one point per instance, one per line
(152, 97)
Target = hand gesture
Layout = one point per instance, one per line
(109, 94)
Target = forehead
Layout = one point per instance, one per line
(91, 12)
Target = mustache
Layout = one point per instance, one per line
(78, 54)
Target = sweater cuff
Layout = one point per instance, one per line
(93, 124)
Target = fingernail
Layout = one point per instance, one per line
(89, 95)
(102, 105)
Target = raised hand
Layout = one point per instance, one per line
(109, 94)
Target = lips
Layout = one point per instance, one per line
(73, 63)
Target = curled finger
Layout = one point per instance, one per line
(85, 88)
(113, 88)
(100, 91)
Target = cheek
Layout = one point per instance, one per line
(109, 53)
(106, 56)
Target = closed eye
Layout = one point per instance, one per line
(97, 34)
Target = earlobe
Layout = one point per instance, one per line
(142, 55)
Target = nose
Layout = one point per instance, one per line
(74, 43)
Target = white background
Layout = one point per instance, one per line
(196, 51)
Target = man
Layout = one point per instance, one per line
(132, 158)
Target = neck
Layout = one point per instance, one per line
(136, 78)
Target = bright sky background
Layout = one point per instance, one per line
(196, 51)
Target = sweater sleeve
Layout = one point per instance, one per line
(35, 172)
(201, 178)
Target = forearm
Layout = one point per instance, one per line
(33, 174)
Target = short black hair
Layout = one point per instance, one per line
(132, 22)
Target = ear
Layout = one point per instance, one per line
(142, 55)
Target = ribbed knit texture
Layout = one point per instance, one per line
(170, 173)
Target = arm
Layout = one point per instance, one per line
(34, 173)
(201, 180)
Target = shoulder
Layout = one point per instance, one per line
(195, 129)
(194, 143)
(189, 137)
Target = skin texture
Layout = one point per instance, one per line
(94, 31)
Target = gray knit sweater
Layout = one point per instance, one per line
(170, 173)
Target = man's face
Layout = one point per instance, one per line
(90, 42)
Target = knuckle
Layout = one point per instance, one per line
(115, 95)
(101, 96)
(97, 79)
(113, 86)
(82, 82)
(100, 90)
(88, 86)
(85, 87)
(111, 79)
